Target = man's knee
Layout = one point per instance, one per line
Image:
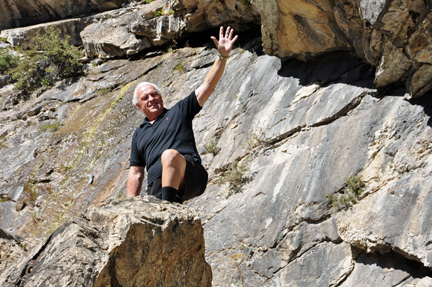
(171, 157)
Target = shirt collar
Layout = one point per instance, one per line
(147, 122)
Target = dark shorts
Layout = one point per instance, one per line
(196, 178)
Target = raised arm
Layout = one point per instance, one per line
(135, 180)
(224, 46)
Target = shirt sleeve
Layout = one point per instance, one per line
(135, 156)
(190, 105)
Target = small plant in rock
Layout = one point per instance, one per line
(355, 187)
(159, 13)
(3, 39)
(52, 59)
(105, 91)
(148, 1)
(351, 193)
(211, 146)
(180, 67)
(257, 139)
(30, 191)
(246, 3)
(53, 126)
(4, 199)
(332, 3)
(2, 142)
(7, 61)
(234, 175)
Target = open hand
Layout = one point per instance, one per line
(225, 43)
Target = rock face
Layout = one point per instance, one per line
(390, 35)
(294, 131)
(298, 129)
(130, 242)
(24, 13)
(162, 22)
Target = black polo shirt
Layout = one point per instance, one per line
(171, 130)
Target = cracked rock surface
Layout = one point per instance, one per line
(299, 130)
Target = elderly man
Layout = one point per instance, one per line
(164, 143)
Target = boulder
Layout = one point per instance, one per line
(113, 38)
(162, 22)
(72, 27)
(23, 36)
(130, 242)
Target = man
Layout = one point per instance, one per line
(164, 143)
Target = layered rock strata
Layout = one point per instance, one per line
(130, 242)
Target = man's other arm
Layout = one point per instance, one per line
(135, 180)
(224, 46)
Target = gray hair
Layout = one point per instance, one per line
(135, 97)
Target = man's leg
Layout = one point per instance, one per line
(173, 171)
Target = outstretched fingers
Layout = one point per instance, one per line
(225, 42)
(216, 42)
(235, 38)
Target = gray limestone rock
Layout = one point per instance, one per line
(371, 10)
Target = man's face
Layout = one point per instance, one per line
(149, 102)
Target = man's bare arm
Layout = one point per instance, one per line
(224, 46)
(135, 180)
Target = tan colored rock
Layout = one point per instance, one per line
(307, 26)
(421, 82)
(133, 242)
(235, 13)
(269, 12)
(394, 66)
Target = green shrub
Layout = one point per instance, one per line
(52, 59)
(148, 1)
(211, 146)
(234, 175)
(351, 193)
(7, 61)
